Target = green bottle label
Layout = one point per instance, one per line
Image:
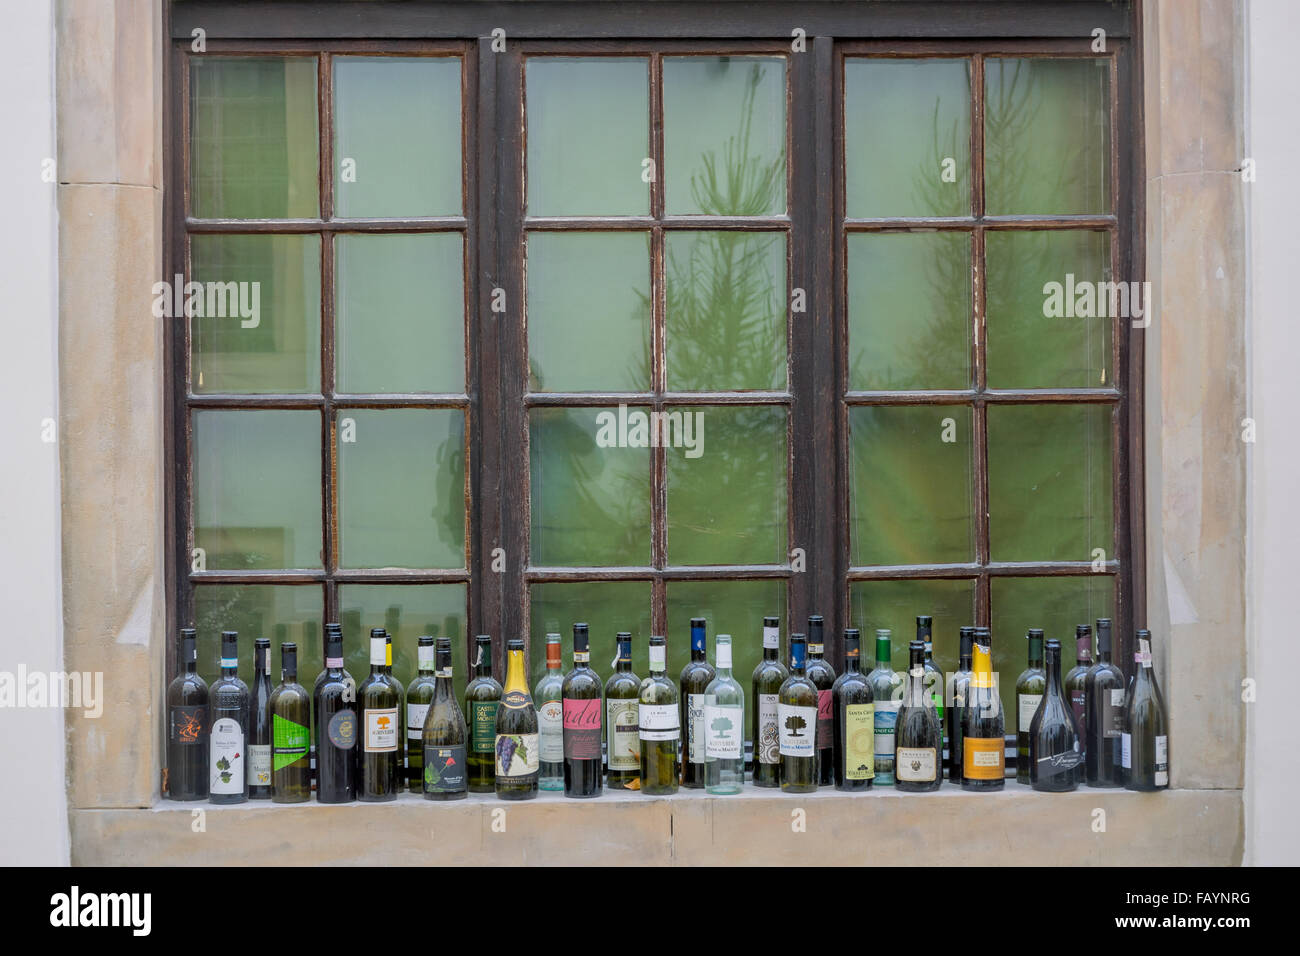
(289, 742)
(483, 726)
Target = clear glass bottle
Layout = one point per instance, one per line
(887, 693)
(724, 725)
(550, 718)
(660, 725)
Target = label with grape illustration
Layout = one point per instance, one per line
(798, 729)
(769, 742)
(227, 756)
(444, 769)
(623, 719)
(517, 755)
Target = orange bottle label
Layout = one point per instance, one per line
(983, 758)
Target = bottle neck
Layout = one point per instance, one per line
(722, 650)
(1083, 649)
(262, 661)
(1103, 645)
(483, 660)
(1142, 658)
(424, 660)
(883, 652)
(623, 664)
(771, 643)
(229, 659)
(658, 660)
(377, 656)
(798, 657)
(981, 667)
(1036, 653)
(852, 656)
(553, 662)
(288, 667)
(1054, 671)
(698, 651)
(189, 655)
(442, 674)
(515, 681)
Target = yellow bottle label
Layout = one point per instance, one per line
(983, 758)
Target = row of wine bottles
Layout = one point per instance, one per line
(810, 727)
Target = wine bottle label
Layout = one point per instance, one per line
(290, 742)
(334, 662)
(378, 650)
(483, 725)
(1112, 713)
(415, 714)
(227, 756)
(515, 700)
(1079, 707)
(915, 764)
(381, 730)
(444, 769)
(1162, 761)
(769, 742)
(517, 755)
(825, 721)
(695, 728)
(581, 736)
(1027, 705)
(859, 741)
(581, 657)
(189, 724)
(983, 758)
(1126, 751)
(798, 729)
(230, 663)
(550, 731)
(622, 719)
(722, 723)
(424, 658)
(1143, 654)
(259, 765)
(1053, 765)
(342, 730)
(886, 717)
(660, 722)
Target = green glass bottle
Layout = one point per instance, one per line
(622, 720)
(580, 770)
(660, 725)
(290, 733)
(769, 675)
(694, 680)
(934, 680)
(516, 749)
(419, 695)
(482, 697)
(958, 689)
(380, 700)
(1105, 701)
(822, 674)
(444, 735)
(797, 720)
(887, 695)
(1031, 685)
(259, 721)
(917, 739)
(187, 725)
(1055, 757)
(855, 720)
(984, 757)
(1076, 681)
(1145, 743)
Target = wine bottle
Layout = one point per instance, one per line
(769, 675)
(338, 726)
(380, 700)
(580, 721)
(623, 720)
(290, 733)
(187, 725)
(660, 725)
(1030, 687)
(1145, 744)
(724, 725)
(549, 700)
(258, 762)
(854, 728)
(227, 778)
(398, 765)
(482, 697)
(1104, 703)
(1077, 679)
(887, 696)
(419, 695)
(984, 756)
(958, 688)
(516, 745)
(444, 735)
(797, 721)
(933, 679)
(917, 738)
(695, 679)
(822, 674)
(1055, 759)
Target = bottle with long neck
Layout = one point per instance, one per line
(580, 696)
(694, 681)
(337, 724)
(622, 718)
(419, 695)
(398, 765)
(290, 732)
(444, 736)
(660, 723)
(1055, 758)
(887, 694)
(1030, 687)
(381, 726)
(1104, 702)
(549, 700)
(933, 678)
(228, 779)
(855, 720)
(958, 688)
(984, 757)
(187, 725)
(1145, 743)
(917, 738)
(516, 731)
(482, 697)
(259, 723)
(724, 725)
(769, 675)
(797, 720)
(1076, 681)
(822, 674)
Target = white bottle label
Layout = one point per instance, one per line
(659, 722)
(227, 756)
(415, 714)
(259, 765)
(798, 729)
(695, 727)
(1126, 751)
(1028, 705)
(381, 730)
(768, 744)
(1162, 761)
(624, 734)
(550, 729)
(915, 764)
(885, 719)
(1117, 697)
(722, 724)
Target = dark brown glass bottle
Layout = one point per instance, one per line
(822, 674)
(694, 680)
(187, 725)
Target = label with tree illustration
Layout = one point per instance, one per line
(517, 755)
(227, 756)
(444, 769)
(722, 726)
(381, 730)
(797, 727)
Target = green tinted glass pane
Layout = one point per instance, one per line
(909, 310)
(589, 479)
(910, 485)
(398, 120)
(1042, 335)
(606, 607)
(1055, 604)
(906, 138)
(256, 326)
(895, 605)
(401, 312)
(729, 607)
(401, 488)
(726, 475)
(257, 489)
(254, 149)
(725, 311)
(589, 311)
(1049, 482)
(277, 612)
(1046, 136)
(724, 135)
(588, 136)
(407, 612)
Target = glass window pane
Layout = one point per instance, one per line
(1043, 336)
(895, 605)
(727, 494)
(254, 147)
(724, 135)
(911, 485)
(407, 611)
(589, 479)
(1049, 482)
(909, 310)
(277, 612)
(589, 311)
(1047, 136)
(1055, 604)
(906, 137)
(401, 312)
(588, 136)
(730, 607)
(256, 325)
(401, 488)
(257, 488)
(397, 124)
(725, 311)
(606, 607)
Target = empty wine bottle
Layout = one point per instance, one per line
(380, 700)
(934, 685)
(797, 719)
(622, 719)
(337, 724)
(290, 733)
(1104, 702)
(984, 757)
(187, 725)
(660, 725)
(580, 721)
(1055, 759)
(548, 698)
(1145, 743)
(694, 680)
(516, 731)
(1076, 681)
(958, 689)
(228, 778)
(887, 695)
(419, 695)
(769, 675)
(822, 674)
(854, 730)
(1030, 687)
(724, 724)
(259, 722)
(482, 697)
(398, 764)
(444, 736)
(917, 738)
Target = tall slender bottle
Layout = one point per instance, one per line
(580, 721)
(1076, 681)
(337, 724)
(1104, 703)
(1030, 687)
(290, 732)
(549, 700)
(933, 679)
(419, 695)
(259, 723)
(797, 720)
(516, 731)
(984, 757)
(399, 764)
(444, 735)
(227, 777)
(622, 719)
(695, 678)
(1145, 743)
(187, 725)
(769, 675)
(724, 725)
(958, 688)
(855, 720)
(918, 758)
(1055, 757)
(822, 674)
(482, 697)
(887, 694)
(660, 725)
(381, 726)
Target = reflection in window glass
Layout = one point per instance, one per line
(606, 607)
(406, 611)
(1056, 604)
(277, 612)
